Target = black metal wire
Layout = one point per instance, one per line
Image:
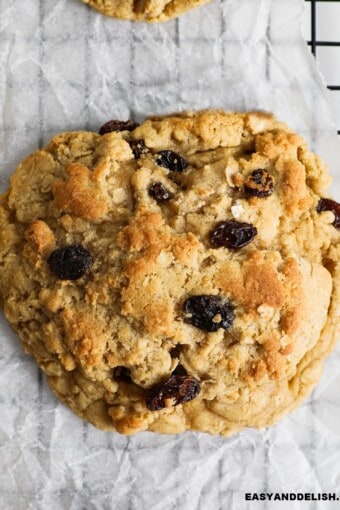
(314, 43)
(313, 27)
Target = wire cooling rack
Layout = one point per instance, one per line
(318, 12)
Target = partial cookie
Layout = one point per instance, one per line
(178, 275)
(144, 10)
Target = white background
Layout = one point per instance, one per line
(64, 67)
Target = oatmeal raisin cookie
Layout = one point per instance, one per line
(144, 10)
(178, 274)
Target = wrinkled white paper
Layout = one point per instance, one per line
(65, 67)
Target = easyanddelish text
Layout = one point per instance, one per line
(291, 496)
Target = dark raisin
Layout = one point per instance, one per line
(172, 161)
(70, 262)
(208, 313)
(138, 147)
(118, 125)
(232, 234)
(260, 183)
(326, 204)
(178, 389)
(122, 374)
(159, 192)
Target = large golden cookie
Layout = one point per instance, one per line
(181, 274)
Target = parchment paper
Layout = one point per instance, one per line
(65, 67)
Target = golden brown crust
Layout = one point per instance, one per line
(256, 283)
(40, 237)
(80, 194)
(144, 10)
(149, 256)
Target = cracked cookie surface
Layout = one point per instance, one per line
(176, 275)
(144, 10)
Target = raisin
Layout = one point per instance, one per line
(232, 234)
(178, 389)
(122, 374)
(159, 192)
(208, 313)
(118, 125)
(326, 204)
(70, 262)
(172, 161)
(260, 183)
(138, 147)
